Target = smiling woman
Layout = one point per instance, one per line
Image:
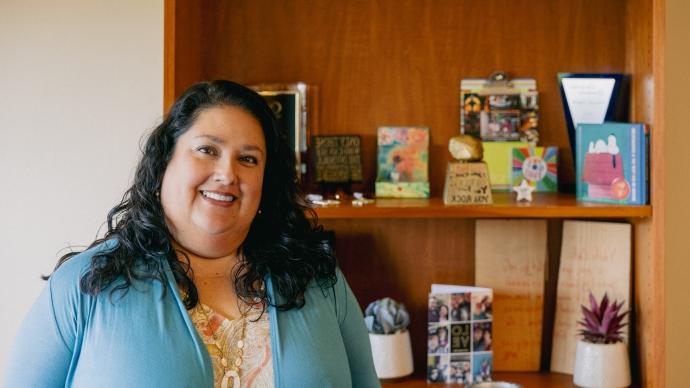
(212, 186)
(210, 273)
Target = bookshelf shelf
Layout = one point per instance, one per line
(543, 206)
(526, 379)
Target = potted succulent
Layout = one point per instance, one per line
(387, 322)
(601, 358)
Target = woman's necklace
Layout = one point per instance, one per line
(230, 367)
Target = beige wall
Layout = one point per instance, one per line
(80, 81)
(677, 194)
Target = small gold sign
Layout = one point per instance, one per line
(337, 159)
(467, 184)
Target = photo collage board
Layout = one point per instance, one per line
(459, 335)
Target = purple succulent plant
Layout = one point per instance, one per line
(602, 322)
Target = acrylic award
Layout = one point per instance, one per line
(593, 99)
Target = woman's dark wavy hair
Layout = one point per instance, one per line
(282, 241)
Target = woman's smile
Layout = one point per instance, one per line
(218, 199)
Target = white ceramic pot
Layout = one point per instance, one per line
(392, 354)
(601, 365)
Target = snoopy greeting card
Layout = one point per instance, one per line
(612, 163)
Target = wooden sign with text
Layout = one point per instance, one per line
(596, 257)
(510, 257)
(467, 184)
(337, 159)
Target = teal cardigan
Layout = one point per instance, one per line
(146, 338)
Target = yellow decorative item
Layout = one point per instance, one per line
(498, 155)
(466, 148)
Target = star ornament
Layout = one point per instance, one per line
(524, 191)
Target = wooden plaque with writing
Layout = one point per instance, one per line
(596, 257)
(337, 159)
(467, 184)
(510, 257)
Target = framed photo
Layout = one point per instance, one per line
(498, 109)
(289, 105)
(503, 125)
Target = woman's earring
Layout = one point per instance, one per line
(259, 212)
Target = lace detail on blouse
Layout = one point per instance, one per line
(217, 332)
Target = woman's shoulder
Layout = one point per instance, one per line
(63, 294)
(70, 271)
(334, 289)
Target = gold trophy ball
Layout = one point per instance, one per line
(466, 148)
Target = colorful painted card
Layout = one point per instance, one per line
(612, 163)
(538, 166)
(403, 162)
(460, 333)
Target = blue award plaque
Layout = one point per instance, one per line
(593, 99)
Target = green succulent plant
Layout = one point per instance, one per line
(603, 322)
(386, 316)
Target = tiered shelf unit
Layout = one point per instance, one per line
(399, 62)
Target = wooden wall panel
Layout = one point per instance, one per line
(392, 62)
(401, 258)
(645, 26)
(183, 56)
(647, 346)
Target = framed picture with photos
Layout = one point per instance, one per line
(289, 105)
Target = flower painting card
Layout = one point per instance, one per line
(403, 162)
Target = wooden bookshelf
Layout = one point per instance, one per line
(504, 206)
(400, 62)
(527, 380)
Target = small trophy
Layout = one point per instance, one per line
(593, 98)
(467, 178)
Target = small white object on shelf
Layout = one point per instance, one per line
(524, 191)
(392, 354)
(326, 202)
(601, 365)
(317, 200)
(314, 197)
(359, 199)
